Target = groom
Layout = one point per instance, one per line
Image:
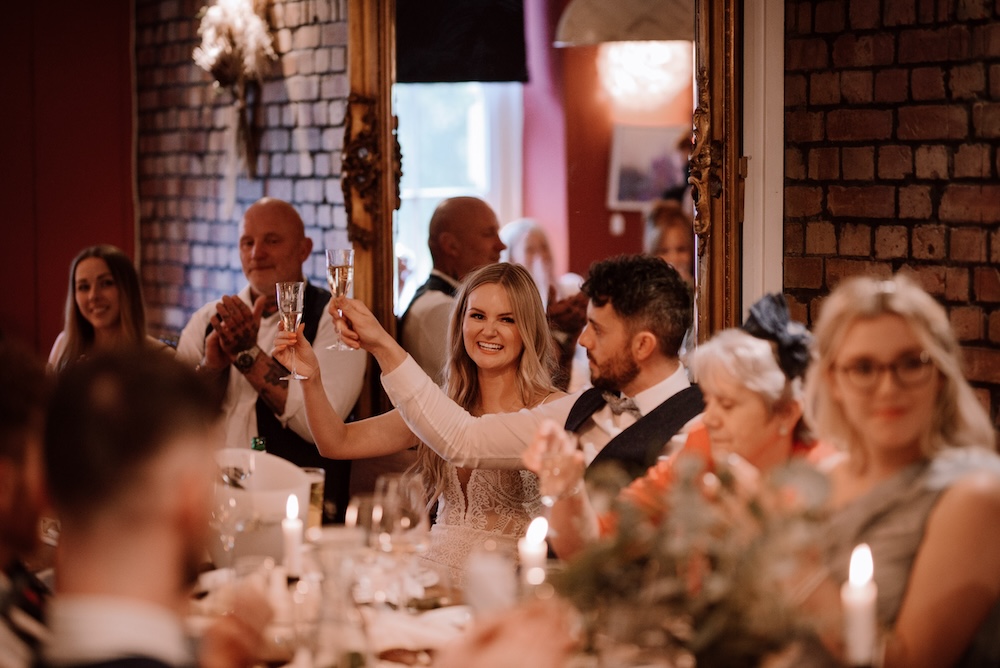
(639, 311)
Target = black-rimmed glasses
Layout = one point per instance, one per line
(908, 370)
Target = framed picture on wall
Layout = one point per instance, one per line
(645, 162)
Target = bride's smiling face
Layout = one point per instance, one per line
(489, 332)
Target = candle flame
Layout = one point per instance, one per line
(292, 507)
(537, 530)
(862, 566)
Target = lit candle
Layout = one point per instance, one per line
(291, 527)
(533, 552)
(857, 597)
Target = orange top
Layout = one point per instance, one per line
(646, 493)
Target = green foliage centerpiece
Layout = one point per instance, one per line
(704, 580)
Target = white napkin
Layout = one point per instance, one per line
(394, 629)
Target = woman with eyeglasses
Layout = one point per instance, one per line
(918, 480)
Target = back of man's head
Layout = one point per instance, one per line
(24, 391)
(110, 418)
(647, 293)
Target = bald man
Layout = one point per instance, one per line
(464, 235)
(229, 342)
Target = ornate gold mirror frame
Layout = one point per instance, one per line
(371, 165)
(717, 168)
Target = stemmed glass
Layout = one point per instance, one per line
(290, 300)
(229, 518)
(236, 465)
(340, 275)
(400, 530)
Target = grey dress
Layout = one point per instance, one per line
(891, 518)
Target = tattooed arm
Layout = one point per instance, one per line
(237, 327)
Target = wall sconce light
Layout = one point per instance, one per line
(645, 55)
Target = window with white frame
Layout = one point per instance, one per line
(456, 139)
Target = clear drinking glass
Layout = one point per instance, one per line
(340, 276)
(229, 518)
(291, 296)
(400, 534)
(236, 465)
(559, 468)
(400, 522)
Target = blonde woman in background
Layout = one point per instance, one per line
(670, 235)
(918, 479)
(565, 306)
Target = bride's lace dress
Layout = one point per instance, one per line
(495, 505)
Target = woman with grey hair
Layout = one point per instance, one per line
(751, 379)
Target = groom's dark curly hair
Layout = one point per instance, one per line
(647, 293)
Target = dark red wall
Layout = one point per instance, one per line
(66, 176)
(568, 121)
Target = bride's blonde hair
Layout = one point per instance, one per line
(535, 365)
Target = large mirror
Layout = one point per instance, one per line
(372, 163)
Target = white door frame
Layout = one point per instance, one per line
(764, 145)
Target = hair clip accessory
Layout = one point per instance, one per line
(769, 320)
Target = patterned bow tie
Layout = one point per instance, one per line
(621, 405)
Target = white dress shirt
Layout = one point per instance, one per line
(343, 375)
(609, 424)
(91, 629)
(497, 440)
(425, 330)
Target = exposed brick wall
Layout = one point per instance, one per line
(188, 251)
(892, 121)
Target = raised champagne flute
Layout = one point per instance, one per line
(340, 275)
(291, 295)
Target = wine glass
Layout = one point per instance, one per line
(229, 518)
(400, 522)
(291, 295)
(400, 532)
(236, 465)
(340, 275)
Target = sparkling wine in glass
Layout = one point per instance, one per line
(340, 275)
(291, 296)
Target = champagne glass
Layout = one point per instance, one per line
(290, 299)
(340, 275)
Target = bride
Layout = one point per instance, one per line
(499, 361)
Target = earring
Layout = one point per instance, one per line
(783, 430)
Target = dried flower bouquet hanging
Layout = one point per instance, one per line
(236, 47)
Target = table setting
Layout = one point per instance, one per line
(353, 595)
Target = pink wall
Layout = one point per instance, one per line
(544, 150)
